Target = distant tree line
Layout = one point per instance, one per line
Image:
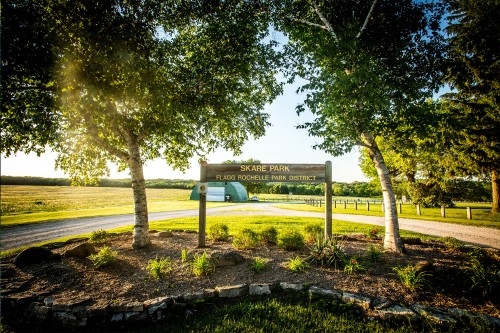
(105, 182)
(457, 190)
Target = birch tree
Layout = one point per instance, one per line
(143, 79)
(368, 67)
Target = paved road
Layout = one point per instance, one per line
(30, 234)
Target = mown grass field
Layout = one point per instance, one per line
(481, 215)
(32, 204)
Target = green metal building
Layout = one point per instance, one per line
(222, 191)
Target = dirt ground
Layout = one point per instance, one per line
(128, 280)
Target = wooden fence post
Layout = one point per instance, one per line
(443, 211)
(400, 208)
(418, 210)
(367, 205)
(469, 213)
(355, 205)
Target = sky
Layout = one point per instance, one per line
(283, 143)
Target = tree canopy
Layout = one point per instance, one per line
(473, 71)
(137, 80)
(368, 66)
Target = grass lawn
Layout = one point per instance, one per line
(481, 215)
(299, 312)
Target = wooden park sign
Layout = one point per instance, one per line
(254, 173)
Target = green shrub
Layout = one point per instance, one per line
(291, 240)
(297, 264)
(411, 277)
(327, 252)
(246, 239)
(202, 265)
(158, 268)
(484, 272)
(269, 235)
(99, 236)
(258, 264)
(104, 257)
(218, 232)
(312, 230)
(352, 265)
(374, 253)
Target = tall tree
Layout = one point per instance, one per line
(369, 68)
(474, 104)
(142, 79)
(29, 114)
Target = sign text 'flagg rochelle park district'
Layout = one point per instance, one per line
(315, 173)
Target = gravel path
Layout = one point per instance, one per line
(30, 234)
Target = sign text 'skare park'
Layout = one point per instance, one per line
(266, 172)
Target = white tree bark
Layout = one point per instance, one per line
(392, 240)
(141, 224)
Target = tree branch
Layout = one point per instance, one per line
(307, 22)
(367, 19)
(324, 20)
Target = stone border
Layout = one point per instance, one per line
(40, 310)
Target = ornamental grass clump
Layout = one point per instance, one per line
(297, 264)
(291, 240)
(202, 265)
(184, 255)
(411, 277)
(374, 253)
(483, 272)
(353, 265)
(258, 264)
(104, 257)
(99, 236)
(159, 268)
(218, 232)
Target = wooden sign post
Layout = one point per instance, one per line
(268, 173)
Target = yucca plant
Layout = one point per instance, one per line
(327, 252)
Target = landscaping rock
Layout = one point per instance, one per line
(362, 301)
(433, 314)
(34, 255)
(259, 289)
(165, 234)
(233, 291)
(227, 258)
(326, 292)
(81, 251)
(396, 311)
(292, 286)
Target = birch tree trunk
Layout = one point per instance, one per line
(495, 192)
(141, 223)
(392, 240)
